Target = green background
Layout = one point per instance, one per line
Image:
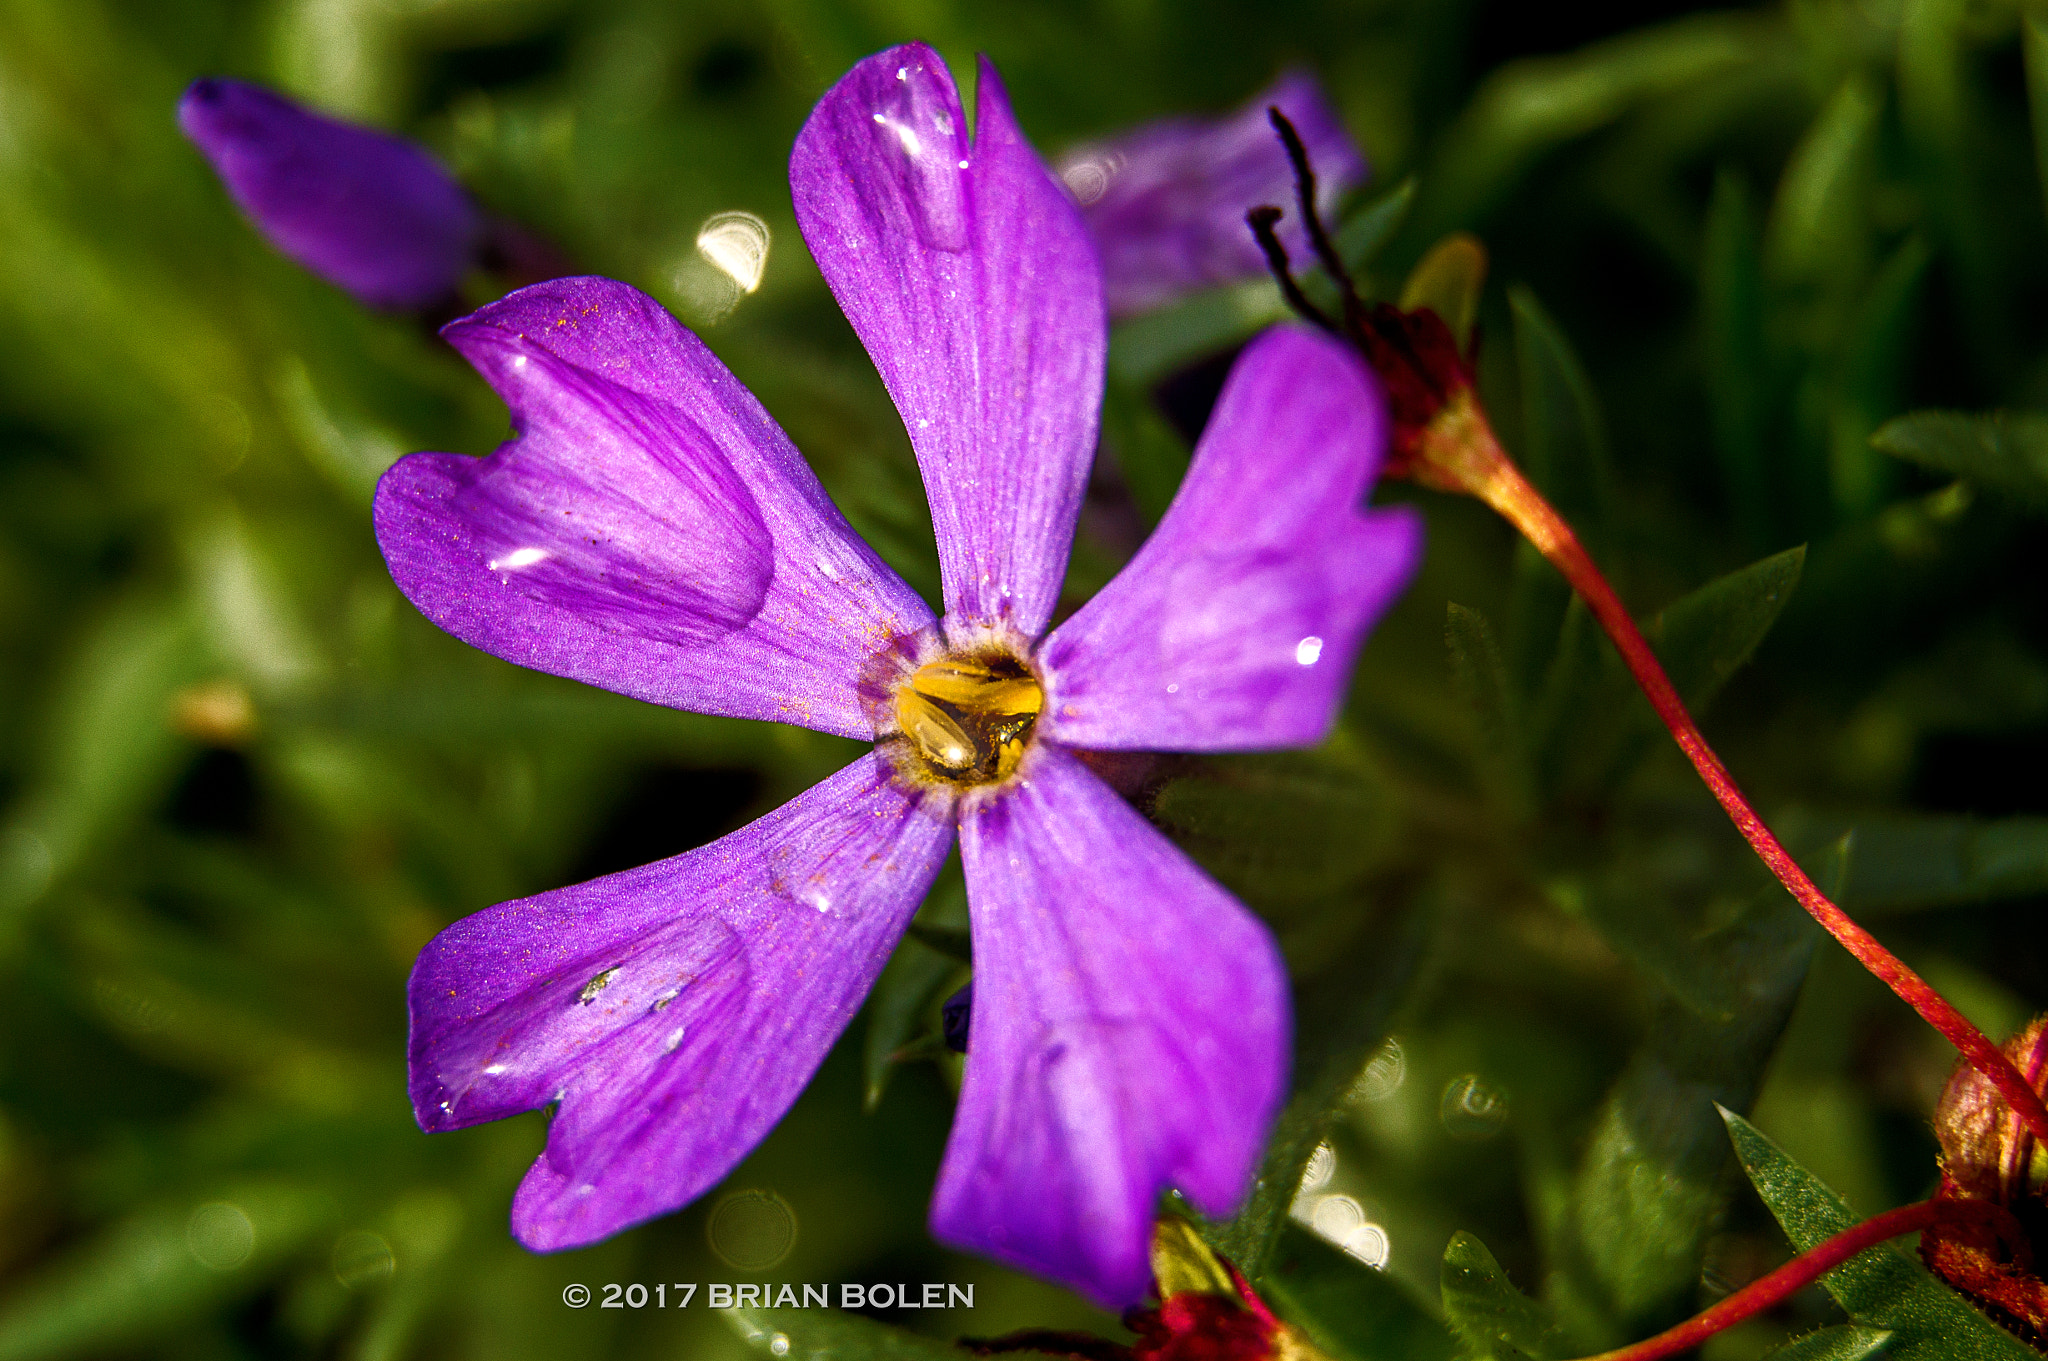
(242, 782)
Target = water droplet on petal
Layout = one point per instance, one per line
(1308, 651)
(596, 986)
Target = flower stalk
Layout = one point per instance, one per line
(1803, 1270)
(1459, 451)
(1444, 440)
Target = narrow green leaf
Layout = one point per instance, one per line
(2003, 452)
(1731, 301)
(1870, 377)
(1481, 679)
(911, 983)
(1704, 638)
(1591, 726)
(1650, 1184)
(1490, 1316)
(1349, 1309)
(1881, 1288)
(1526, 108)
(1361, 236)
(1283, 827)
(106, 748)
(1819, 232)
(1564, 437)
(1844, 1342)
(1152, 457)
(1341, 1011)
(1945, 136)
(1907, 862)
(1145, 348)
(2034, 44)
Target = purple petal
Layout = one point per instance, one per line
(672, 1013)
(1129, 1034)
(1166, 201)
(967, 274)
(650, 529)
(362, 209)
(1235, 625)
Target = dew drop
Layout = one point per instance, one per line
(596, 986)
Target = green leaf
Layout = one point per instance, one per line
(1150, 453)
(2003, 452)
(1650, 1185)
(1907, 862)
(1281, 827)
(1564, 437)
(1819, 231)
(1481, 680)
(1590, 726)
(106, 749)
(1526, 108)
(1341, 1011)
(1731, 300)
(804, 1334)
(1146, 348)
(1870, 376)
(1881, 1288)
(1349, 1309)
(913, 980)
(1706, 637)
(2034, 44)
(1844, 1342)
(1492, 1318)
(1362, 235)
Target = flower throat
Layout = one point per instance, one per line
(969, 718)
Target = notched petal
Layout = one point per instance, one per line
(1236, 624)
(650, 529)
(669, 1014)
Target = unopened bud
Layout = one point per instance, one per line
(1988, 1154)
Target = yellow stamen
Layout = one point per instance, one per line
(970, 718)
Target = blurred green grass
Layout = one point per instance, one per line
(241, 782)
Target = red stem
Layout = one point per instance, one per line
(1488, 473)
(1800, 1272)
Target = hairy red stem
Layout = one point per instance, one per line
(1471, 459)
(1800, 1272)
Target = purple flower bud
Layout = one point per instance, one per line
(1166, 201)
(953, 1017)
(367, 211)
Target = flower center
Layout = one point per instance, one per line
(969, 718)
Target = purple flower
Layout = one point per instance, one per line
(650, 529)
(1166, 201)
(364, 210)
